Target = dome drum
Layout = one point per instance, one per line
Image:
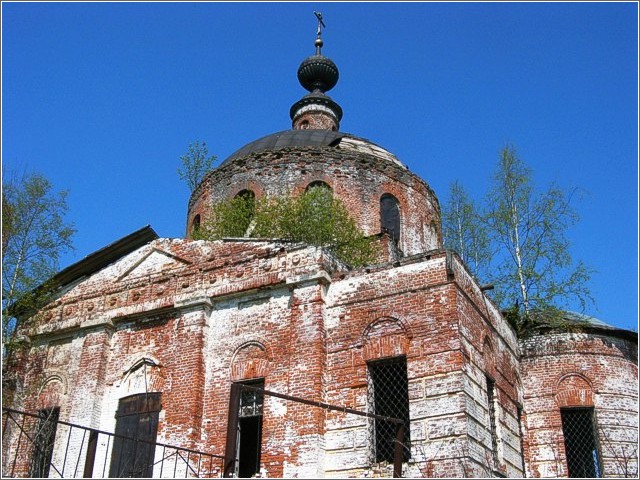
(359, 178)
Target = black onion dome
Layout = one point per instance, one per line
(318, 72)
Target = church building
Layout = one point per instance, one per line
(252, 357)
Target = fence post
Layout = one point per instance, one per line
(91, 454)
(230, 452)
(398, 451)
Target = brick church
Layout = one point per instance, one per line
(404, 367)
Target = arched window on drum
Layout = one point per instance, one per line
(318, 184)
(390, 216)
(195, 225)
(245, 205)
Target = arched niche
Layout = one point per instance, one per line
(250, 360)
(143, 375)
(385, 337)
(574, 390)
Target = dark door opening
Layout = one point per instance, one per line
(137, 419)
(250, 430)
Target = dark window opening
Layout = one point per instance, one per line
(521, 433)
(390, 216)
(136, 419)
(389, 390)
(196, 224)
(245, 207)
(246, 194)
(250, 430)
(580, 442)
(43, 442)
(318, 184)
(491, 406)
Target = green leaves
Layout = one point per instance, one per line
(465, 231)
(316, 218)
(525, 231)
(195, 164)
(34, 236)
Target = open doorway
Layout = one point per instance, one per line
(250, 430)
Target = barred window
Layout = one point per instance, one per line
(491, 406)
(389, 397)
(580, 442)
(250, 430)
(43, 442)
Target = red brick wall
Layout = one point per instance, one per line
(596, 369)
(204, 314)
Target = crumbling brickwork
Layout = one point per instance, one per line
(187, 318)
(356, 176)
(596, 368)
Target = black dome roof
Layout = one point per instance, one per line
(288, 138)
(312, 138)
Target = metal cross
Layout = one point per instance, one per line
(320, 22)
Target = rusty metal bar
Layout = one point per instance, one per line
(323, 405)
(398, 451)
(18, 447)
(91, 454)
(104, 464)
(84, 435)
(230, 452)
(66, 452)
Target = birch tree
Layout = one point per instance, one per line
(195, 164)
(536, 273)
(34, 236)
(465, 231)
(315, 217)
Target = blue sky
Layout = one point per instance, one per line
(104, 97)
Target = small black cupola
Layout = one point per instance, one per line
(317, 74)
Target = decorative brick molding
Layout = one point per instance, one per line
(384, 337)
(574, 390)
(53, 389)
(250, 360)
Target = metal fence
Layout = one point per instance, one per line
(41, 445)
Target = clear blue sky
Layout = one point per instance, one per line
(104, 97)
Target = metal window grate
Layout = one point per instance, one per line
(491, 406)
(250, 430)
(251, 401)
(580, 442)
(389, 396)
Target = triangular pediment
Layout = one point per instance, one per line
(153, 261)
